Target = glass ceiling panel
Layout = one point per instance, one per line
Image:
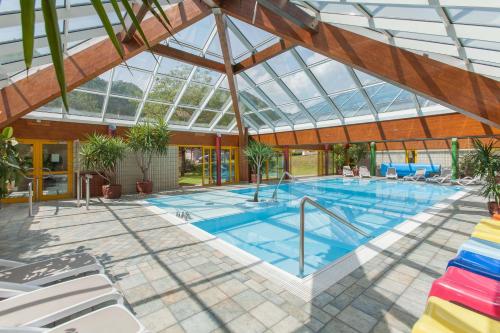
(335, 8)
(194, 94)
(205, 118)
(404, 12)
(206, 76)
(144, 60)
(89, 22)
(152, 110)
(258, 74)
(174, 68)
(294, 113)
(165, 89)
(480, 44)
(130, 83)
(85, 104)
(301, 86)
(218, 99)
(384, 95)
(309, 56)
(487, 16)
(275, 118)
(255, 119)
(181, 116)
(320, 109)
(366, 79)
(99, 84)
(254, 99)
(121, 108)
(197, 34)
(424, 102)
(54, 106)
(238, 50)
(284, 63)
(254, 35)
(351, 104)
(225, 121)
(340, 80)
(276, 93)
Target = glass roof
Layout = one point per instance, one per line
(295, 90)
(446, 30)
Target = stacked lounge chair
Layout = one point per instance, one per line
(28, 306)
(364, 172)
(467, 297)
(391, 173)
(347, 171)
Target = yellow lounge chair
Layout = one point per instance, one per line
(488, 230)
(444, 317)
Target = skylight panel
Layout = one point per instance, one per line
(121, 108)
(224, 122)
(253, 34)
(194, 94)
(152, 110)
(205, 118)
(404, 12)
(284, 63)
(301, 86)
(310, 57)
(218, 99)
(333, 76)
(335, 8)
(276, 93)
(198, 33)
(258, 74)
(165, 89)
(99, 84)
(174, 68)
(181, 116)
(238, 50)
(254, 99)
(485, 17)
(85, 104)
(203, 75)
(351, 104)
(131, 83)
(320, 109)
(143, 60)
(366, 79)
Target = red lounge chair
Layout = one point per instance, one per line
(471, 290)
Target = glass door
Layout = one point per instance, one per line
(17, 191)
(55, 175)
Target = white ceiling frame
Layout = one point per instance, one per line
(458, 3)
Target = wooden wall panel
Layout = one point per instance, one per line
(57, 130)
(430, 127)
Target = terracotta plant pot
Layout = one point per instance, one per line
(493, 208)
(112, 191)
(145, 187)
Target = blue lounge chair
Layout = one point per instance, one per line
(477, 263)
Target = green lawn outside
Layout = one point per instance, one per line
(304, 165)
(190, 179)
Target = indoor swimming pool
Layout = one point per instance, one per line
(270, 230)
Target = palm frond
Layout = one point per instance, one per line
(28, 28)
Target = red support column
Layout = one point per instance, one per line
(218, 158)
(286, 160)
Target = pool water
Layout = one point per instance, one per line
(270, 230)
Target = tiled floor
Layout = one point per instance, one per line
(175, 283)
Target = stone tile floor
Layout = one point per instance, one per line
(175, 283)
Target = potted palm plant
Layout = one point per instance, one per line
(101, 154)
(146, 140)
(487, 165)
(11, 166)
(338, 158)
(258, 153)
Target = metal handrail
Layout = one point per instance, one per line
(325, 210)
(275, 193)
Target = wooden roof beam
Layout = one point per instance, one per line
(469, 93)
(36, 90)
(264, 55)
(170, 52)
(140, 12)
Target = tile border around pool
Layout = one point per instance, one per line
(315, 283)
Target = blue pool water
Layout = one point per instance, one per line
(270, 231)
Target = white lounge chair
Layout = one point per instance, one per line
(47, 305)
(391, 173)
(364, 173)
(111, 319)
(43, 272)
(347, 172)
(466, 181)
(418, 175)
(442, 178)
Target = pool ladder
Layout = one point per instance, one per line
(310, 201)
(275, 193)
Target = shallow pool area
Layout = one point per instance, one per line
(270, 230)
